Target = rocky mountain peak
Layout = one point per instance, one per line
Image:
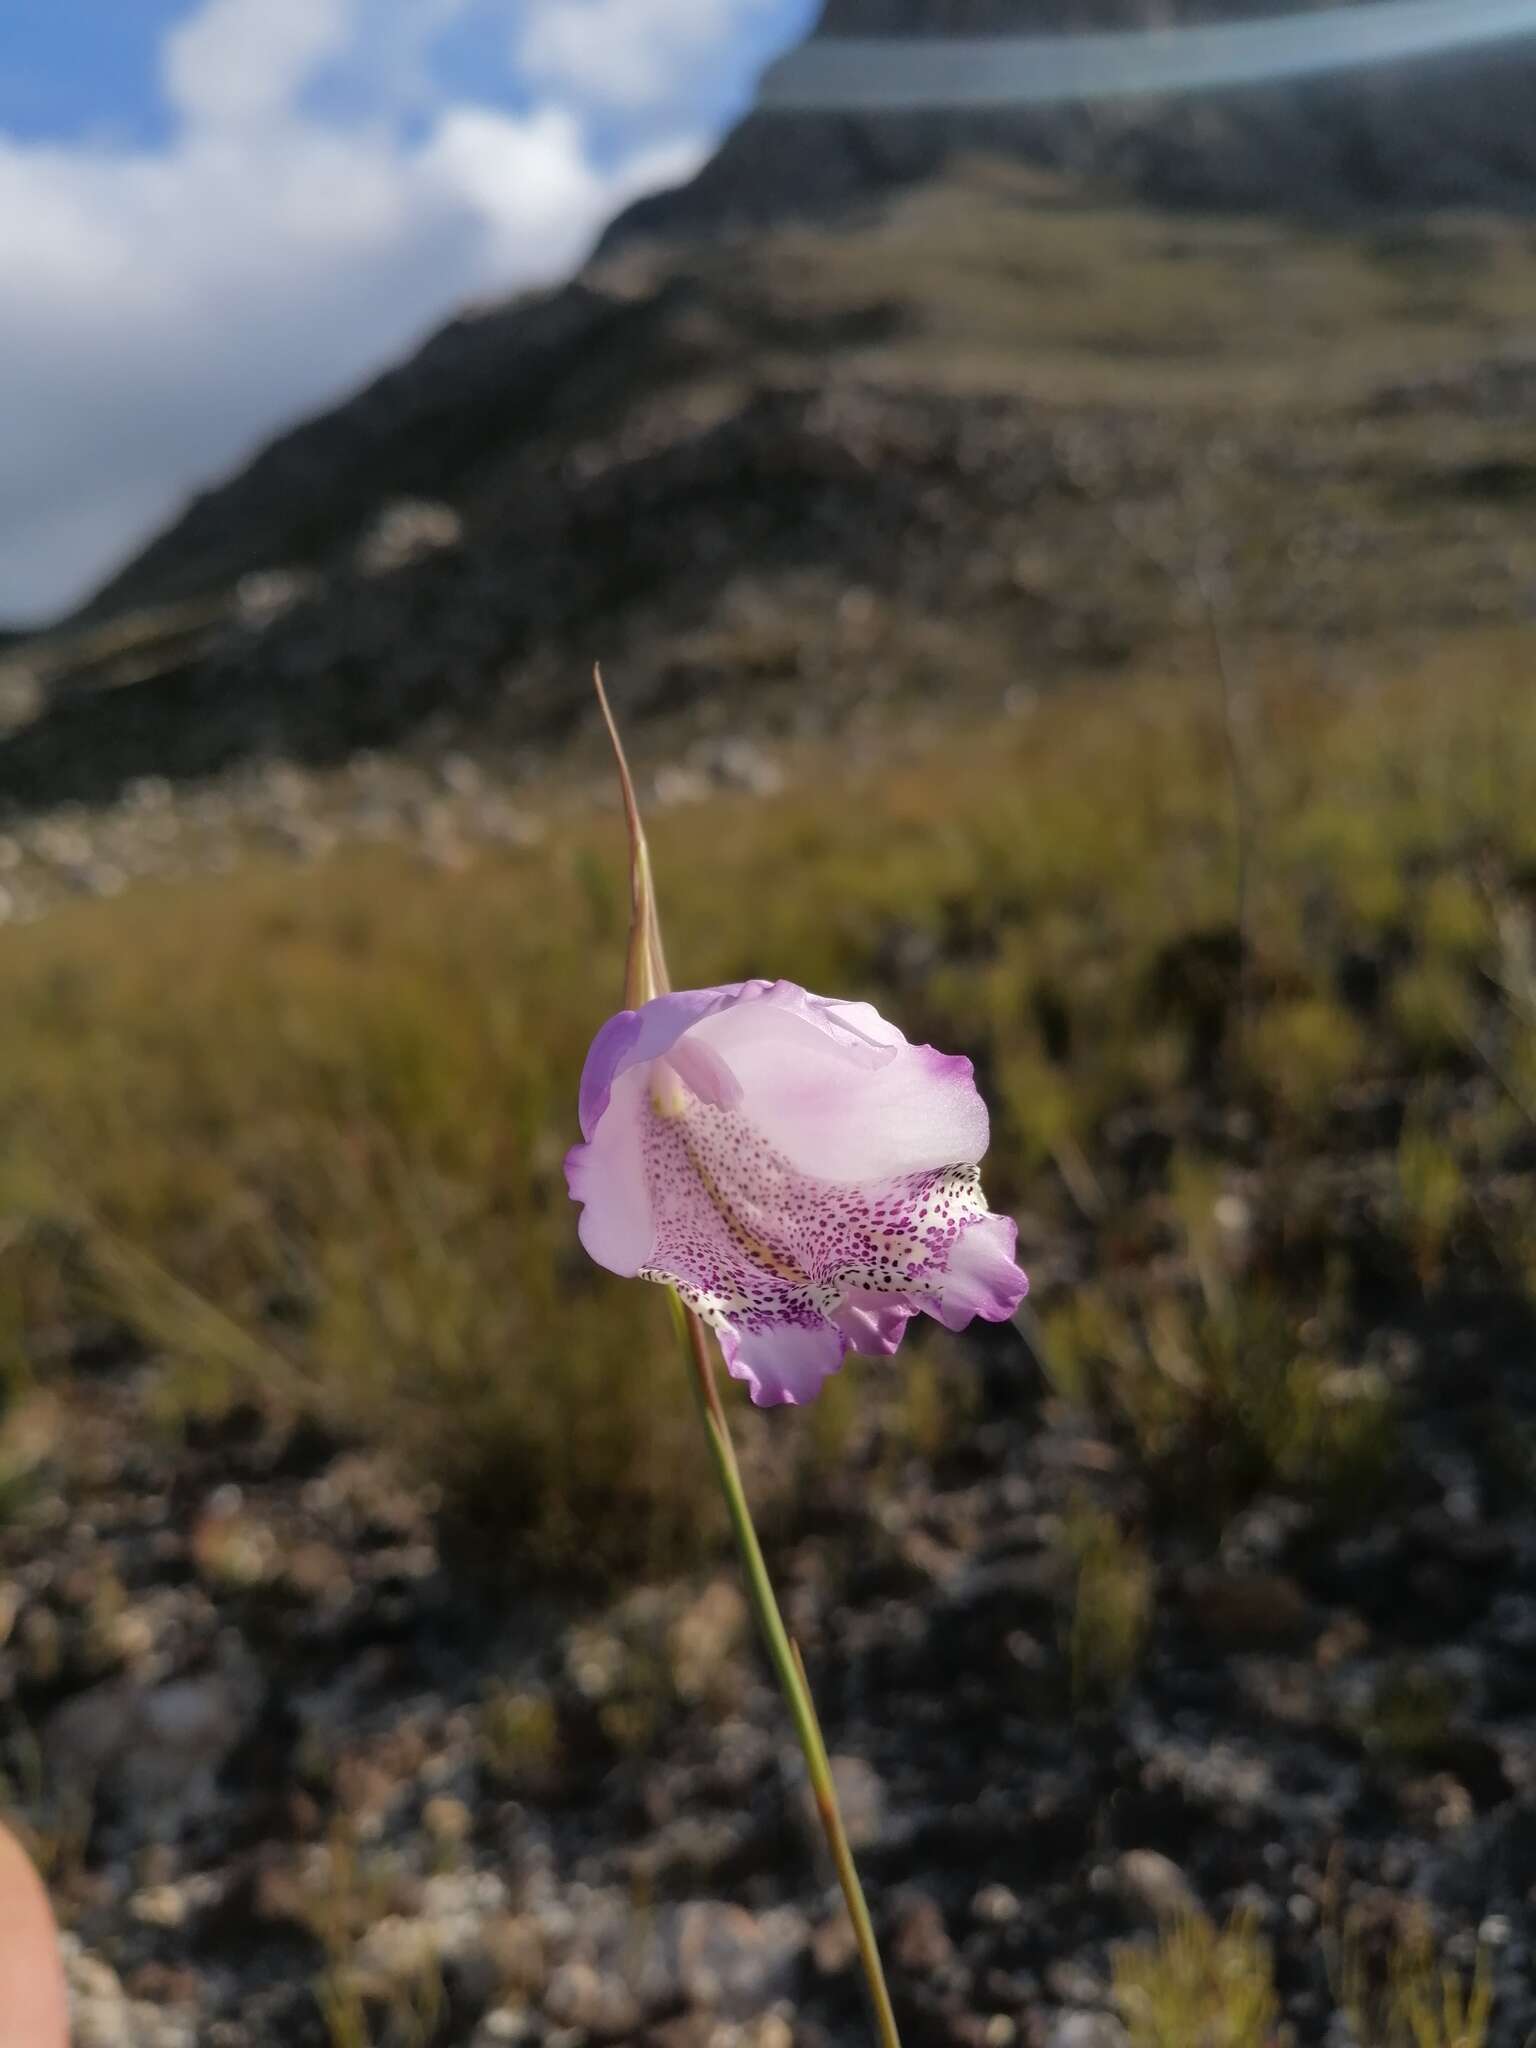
(1026, 17)
(1409, 135)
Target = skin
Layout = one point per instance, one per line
(33, 2006)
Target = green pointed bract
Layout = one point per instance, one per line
(645, 967)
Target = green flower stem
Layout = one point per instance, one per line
(785, 1657)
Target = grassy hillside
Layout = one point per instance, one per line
(1267, 942)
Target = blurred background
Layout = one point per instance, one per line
(1051, 487)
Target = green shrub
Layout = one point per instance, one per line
(1199, 1986)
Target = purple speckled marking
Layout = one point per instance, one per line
(749, 1242)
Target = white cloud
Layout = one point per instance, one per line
(633, 54)
(526, 174)
(238, 61)
(166, 309)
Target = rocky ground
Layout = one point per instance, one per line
(295, 1782)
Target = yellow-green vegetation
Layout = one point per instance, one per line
(299, 1137)
(345, 1896)
(1436, 2008)
(1199, 1986)
(1432, 1186)
(1397, 1991)
(520, 1737)
(1120, 303)
(1114, 1591)
(1203, 1986)
(1221, 1382)
(1412, 1713)
(1306, 1050)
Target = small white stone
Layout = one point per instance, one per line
(995, 1905)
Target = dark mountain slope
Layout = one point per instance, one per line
(978, 434)
(1449, 133)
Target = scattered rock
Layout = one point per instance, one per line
(861, 1798)
(1155, 1889)
(834, 1947)
(507, 2027)
(98, 2005)
(515, 1944)
(1075, 1985)
(995, 1905)
(920, 1943)
(735, 1962)
(704, 1640)
(405, 532)
(157, 1750)
(448, 1821)
(160, 1905)
(1253, 1609)
(395, 1954)
(593, 2002)
(1087, 2030)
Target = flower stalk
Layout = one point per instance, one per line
(645, 977)
(784, 1655)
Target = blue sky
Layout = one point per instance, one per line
(218, 215)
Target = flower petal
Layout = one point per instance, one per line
(702, 1069)
(607, 1176)
(783, 1363)
(634, 1036)
(837, 1105)
(981, 1277)
(873, 1324)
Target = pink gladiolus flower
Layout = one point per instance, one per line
(806, 1179)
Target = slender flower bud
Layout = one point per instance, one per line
(645, 968)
